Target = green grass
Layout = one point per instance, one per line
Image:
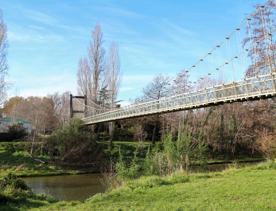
(22, 164)
(23, 201)
(248, 188)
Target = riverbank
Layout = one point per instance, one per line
(235, 188)
(20, 163)
(247, 188)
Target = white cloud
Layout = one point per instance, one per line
(41, 85)
(33, 36)
(114, 10)
(40, 17)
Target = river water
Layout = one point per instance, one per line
(83, 186)
(67, 187)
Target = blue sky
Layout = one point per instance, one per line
(47, 38)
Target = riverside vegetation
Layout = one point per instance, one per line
(144, 177)
(250, 188)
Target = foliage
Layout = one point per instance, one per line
(267, 145)
(127, 171)
(17, 131)
(174, 155)
(11, 181)
(73, 143)
(16, 195)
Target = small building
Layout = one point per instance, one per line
(7, 122)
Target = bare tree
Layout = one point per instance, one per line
(181, 83)
(3, 58)
(39, 111)
(158, 88)
(91, 71)
(113, 80)
(113, 75)
(84, 78)
(96, 58)
(61, 106)
(259, 41)
(205, 82)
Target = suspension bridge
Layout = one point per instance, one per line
(243, 75)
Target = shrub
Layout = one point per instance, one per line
(267, 145)
(127, 171)
(17, 131)
(175, 155)
(73, 143)
(11, 181)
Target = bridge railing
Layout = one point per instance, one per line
(259, 86)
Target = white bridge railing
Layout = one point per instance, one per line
(263, 86)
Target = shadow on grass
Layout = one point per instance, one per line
(23, 202)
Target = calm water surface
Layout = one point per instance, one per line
(81, 187)
(67, 187)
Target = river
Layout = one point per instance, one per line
(67, 187)
(83, 186)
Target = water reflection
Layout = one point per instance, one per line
(67, 187)
(81, 187)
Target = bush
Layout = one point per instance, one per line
(125, 171)
(15, 132)
(73, 143)
(175, 155)
(266, 144)
(11, 181)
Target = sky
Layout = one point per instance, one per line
(47, 37)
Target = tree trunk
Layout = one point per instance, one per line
(221, 128)
(111, 133)
(155, 129)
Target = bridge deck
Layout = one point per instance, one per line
(252, 88)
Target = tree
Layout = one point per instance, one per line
(181, 83)
(91, 71)
(11, 104)
(61, 107)
(113, 81)
(259, 41)
(113, 76)
(3, 58)
(39, 111)
(84, 78)
(96, 58)
(158, 88)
